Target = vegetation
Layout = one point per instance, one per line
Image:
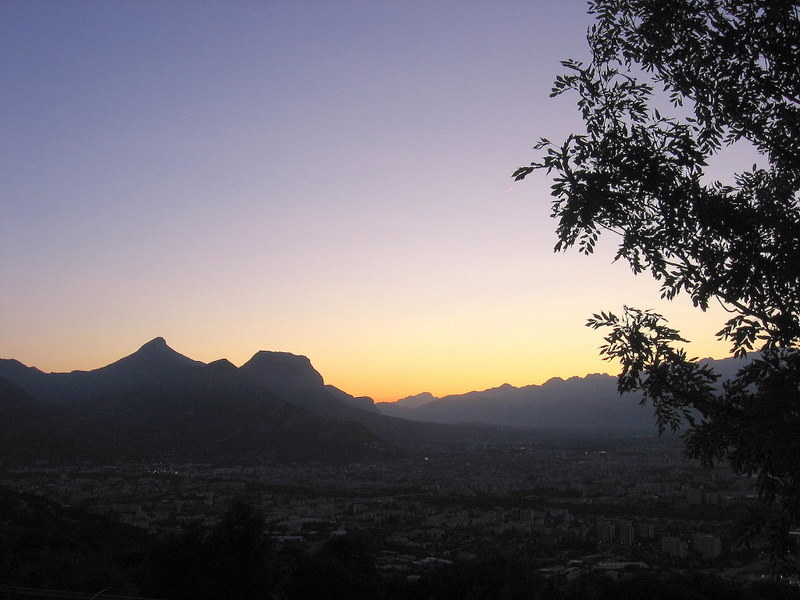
(730, 70)
(45, 545)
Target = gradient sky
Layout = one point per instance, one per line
(325, 178)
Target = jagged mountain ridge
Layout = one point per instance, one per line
(580, 402)
(157, 402)
(289, 376)
(414, 401)
(145, 365)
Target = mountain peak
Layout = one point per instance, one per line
(153, 357)
(283, 368)
(277, 356)
(222, 367)
(416, 400)
(158, 342)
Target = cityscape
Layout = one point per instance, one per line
(616, 505)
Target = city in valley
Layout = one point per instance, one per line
(615, 504)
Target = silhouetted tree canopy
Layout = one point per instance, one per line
(235, 560)
(342, 569)
(730, 72)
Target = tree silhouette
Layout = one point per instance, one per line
(241, 552)
(342, 569)
(235, 560)
(731, 70)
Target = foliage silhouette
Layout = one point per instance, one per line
(46, 545)
(731, 69)
(342, 569)
(235, 560)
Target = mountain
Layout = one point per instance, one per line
(31, 379)
(727, 368)
(24, 421)
(590, 402)
(286, 375)
(405, 407)
(151, 360)
(578, 402)
(159, 403)
(293, 378)
(144, 366)
(212, 411)
(362, 402)
(416, 400)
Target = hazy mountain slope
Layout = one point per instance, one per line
(583, 402)
(405, 406)
(363, 402)
(727, 368)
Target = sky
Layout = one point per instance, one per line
(327, 178)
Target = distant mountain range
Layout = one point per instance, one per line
(159, 403)
(587, 403)
(579, 402)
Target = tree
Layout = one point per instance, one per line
(235, 559)
(731, 72)
(342, 569)
(241, 554)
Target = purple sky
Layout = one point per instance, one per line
(325, 178)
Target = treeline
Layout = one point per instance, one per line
(46, 546)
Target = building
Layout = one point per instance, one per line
(674, 547)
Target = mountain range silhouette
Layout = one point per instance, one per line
(157, 402)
